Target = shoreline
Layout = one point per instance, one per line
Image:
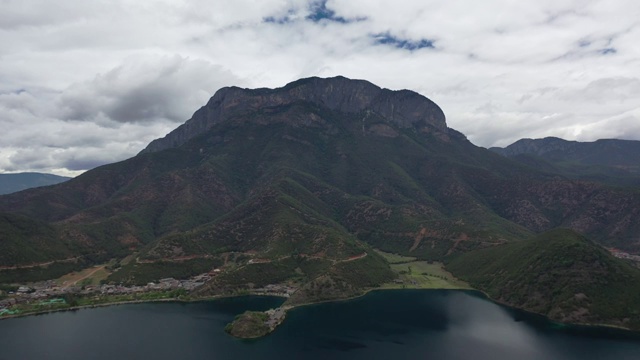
(75, 308)
(586, 325)
(126, 302)
(485, 296)
(294, 306)
(471, 290)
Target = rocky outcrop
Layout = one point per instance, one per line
(402, 108)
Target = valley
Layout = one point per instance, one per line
(323, 190)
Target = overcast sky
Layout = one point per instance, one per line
(84, 83)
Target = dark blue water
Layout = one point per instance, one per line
(435, 324)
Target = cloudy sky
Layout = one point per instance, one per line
(84, 83)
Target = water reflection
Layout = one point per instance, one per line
(381, 325)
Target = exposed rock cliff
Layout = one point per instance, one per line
(402, 108)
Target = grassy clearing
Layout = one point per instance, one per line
(88, 276)
(128, 259)
(96, 277)
(395, 258)
(424, 275)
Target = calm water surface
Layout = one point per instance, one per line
(435, 324)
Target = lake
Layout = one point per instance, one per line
(402, 324)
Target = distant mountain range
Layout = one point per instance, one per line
(300, 183)
(10, 183)
(609, 160)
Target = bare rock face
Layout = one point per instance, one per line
(403, 108)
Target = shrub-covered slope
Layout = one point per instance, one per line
(559, 274)
(319, 169)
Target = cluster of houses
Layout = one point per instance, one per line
(275, 290)
(276, 317)
(49, 289)
(37, 291)
(23, 295)
(166, 284)
(6, 303)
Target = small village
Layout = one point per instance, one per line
(275, 290)
(48, 293)
(45, 291)
(276, 317)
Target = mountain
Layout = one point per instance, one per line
(608, 160)
(10, 183)
(559, 274)
(300, 183)
(404, 108)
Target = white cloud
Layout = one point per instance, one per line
(92, 82)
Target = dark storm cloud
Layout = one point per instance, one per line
(106, 119)
(145, 89)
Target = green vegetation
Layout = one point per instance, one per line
(134, 273)
(25, 240)
(251, 324)
(296, 192)
(50, 302)
(96, 278)
(39, 273)
(345, 279)
(395, 258)
(258, 274)
(324, 288)
(70, 301)
(90, 276)
(294, 189)
(4, 312)
(424, 275)
(367, 272)
(8, 288)
(559, 274)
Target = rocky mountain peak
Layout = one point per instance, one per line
(401, 108)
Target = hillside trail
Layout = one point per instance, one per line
(42, 264)
(86, 276)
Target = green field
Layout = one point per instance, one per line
(424, 275)
(395, 258)
(88, 276)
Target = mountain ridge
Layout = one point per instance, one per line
(446, 187)
(290, 191)
(612, 157)
(10, 183)
(412, 107)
